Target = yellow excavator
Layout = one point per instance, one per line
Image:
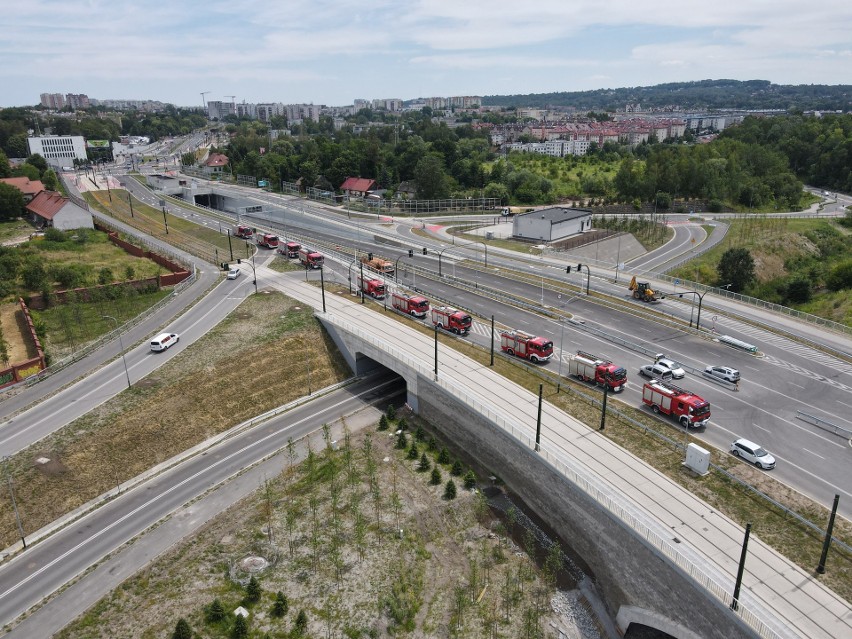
(643, 291)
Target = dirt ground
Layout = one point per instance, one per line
(19, 346)
(364, 544)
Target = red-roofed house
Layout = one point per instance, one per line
(358, 187)
(30, 188)
(215, 164)
(49, 208)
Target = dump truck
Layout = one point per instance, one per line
(378, 264)
(531, 347)
(642, 291)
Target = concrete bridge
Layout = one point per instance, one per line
(660, 556)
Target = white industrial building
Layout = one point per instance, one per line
(551, 224)
(59, 150)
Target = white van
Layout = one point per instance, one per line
(163, 341)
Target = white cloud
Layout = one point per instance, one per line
(335, 47)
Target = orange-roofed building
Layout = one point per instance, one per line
(29, 188)
(50, 208)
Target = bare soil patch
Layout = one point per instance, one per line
(20, 346)
(364, 544)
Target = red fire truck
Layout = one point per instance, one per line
(414, 305)
(451, 319)
(245, 232)
(591, 368)
(686, 407)
(535, 349)
(290, 249)
(310, 258)
(373, 287)
(267, 240)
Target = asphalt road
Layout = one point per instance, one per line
(47, 566)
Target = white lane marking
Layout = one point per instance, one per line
(813, 453)
(760, 427)
(796, 385)
(844, 403)
(170, 490)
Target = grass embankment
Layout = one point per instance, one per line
(207, 243)
(784, 250)
(69, 326)
(239, 369)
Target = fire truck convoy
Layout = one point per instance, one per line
(686, 407)
(414, 305)
(245, 232)
(375, 288)
(267, 240)
(310, 258)
(590, 368)
(451, 319)
(535, 349)
(290, 249)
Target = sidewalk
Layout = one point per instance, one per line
(786, 597)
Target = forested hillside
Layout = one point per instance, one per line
(703, 94)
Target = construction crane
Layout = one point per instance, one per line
(203, 101)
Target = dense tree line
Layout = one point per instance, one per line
(818, 150)
(459, 162)
(703, 94)
(93, 124)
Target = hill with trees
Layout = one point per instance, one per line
(701, 94)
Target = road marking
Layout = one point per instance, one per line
(796, 385)
(813, 453)
(760, 427)
(844, 403)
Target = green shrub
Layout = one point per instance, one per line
(401, 441)
(436, 478)
(413, 453)
(424, 464)
(383, 422)
(391, 412)
(444, 456)
(470, 480)
(450, 490)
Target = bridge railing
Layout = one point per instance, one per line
(612, 500)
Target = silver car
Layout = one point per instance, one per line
(723, 372)
(753, 453)
(653, 371)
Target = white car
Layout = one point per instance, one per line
(723, 372)
(673, 366)
(753, 453)
(233, 273)
(164, 341)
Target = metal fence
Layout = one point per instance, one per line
(108, 337)
(611, 500)
(825, 425)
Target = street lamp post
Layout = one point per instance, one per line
(121, 346)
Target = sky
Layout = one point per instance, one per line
(333, 51)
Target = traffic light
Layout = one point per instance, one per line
(410, 252)
(239, 261)
(568, 269)
(224, 266)
(425, 251)
(579, 266)
(369, 256)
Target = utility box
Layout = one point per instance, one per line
(697, 459)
